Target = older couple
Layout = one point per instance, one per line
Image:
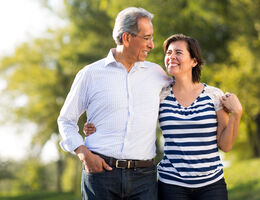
(122, 95)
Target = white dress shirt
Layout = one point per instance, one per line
(122, 105)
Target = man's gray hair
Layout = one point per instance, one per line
(127, 21)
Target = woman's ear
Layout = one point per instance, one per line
(194, 62)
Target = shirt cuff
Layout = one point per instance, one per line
(71, 144)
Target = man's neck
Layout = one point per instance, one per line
(121, 56)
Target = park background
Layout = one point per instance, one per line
(37, 75)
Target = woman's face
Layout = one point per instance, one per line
(178, 60)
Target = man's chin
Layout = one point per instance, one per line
(142, 59)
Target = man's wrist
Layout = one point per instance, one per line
(80, 149)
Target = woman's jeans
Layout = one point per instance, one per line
(137, 184)
(214, 191)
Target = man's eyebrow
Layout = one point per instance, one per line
(148, 35)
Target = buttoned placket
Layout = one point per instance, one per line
(129, 77)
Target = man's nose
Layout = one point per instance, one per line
(151, 44)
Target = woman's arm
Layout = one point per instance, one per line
(228, 125)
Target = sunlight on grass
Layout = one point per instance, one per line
(243, 180)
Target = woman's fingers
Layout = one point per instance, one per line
(89, 128)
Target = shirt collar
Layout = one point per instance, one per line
(111, 59)
(141, 64)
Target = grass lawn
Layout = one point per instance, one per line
(243, 180)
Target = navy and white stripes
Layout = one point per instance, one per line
(191, 157)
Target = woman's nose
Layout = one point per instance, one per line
(172, 56)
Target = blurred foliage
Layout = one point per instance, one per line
(70, 178)
(43, 195)
(243, 183)
(26, 176)
(43, 69)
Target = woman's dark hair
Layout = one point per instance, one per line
(194, 50)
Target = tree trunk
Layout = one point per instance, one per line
(254, 136)
(77, 176)
(257, 136)
(60, 168)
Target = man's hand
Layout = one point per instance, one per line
(89, 129)
(92, 162)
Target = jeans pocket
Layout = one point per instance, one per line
(94, 173)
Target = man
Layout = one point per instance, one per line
(120, 94)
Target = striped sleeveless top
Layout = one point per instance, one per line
(191, 158)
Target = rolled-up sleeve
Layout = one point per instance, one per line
(74, 106)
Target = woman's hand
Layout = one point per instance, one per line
(231, 104)
(228, 124)
(89, 129)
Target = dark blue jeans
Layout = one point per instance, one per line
(135, 184)
(214, 191)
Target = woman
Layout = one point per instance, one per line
(194, 125)
(195, 122)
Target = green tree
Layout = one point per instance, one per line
(240, 70)
(43, 69)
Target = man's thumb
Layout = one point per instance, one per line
(106, 166)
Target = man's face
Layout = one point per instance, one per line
(142, 43)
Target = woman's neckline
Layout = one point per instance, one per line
(193, 102)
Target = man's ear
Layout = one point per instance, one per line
(126, 39)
